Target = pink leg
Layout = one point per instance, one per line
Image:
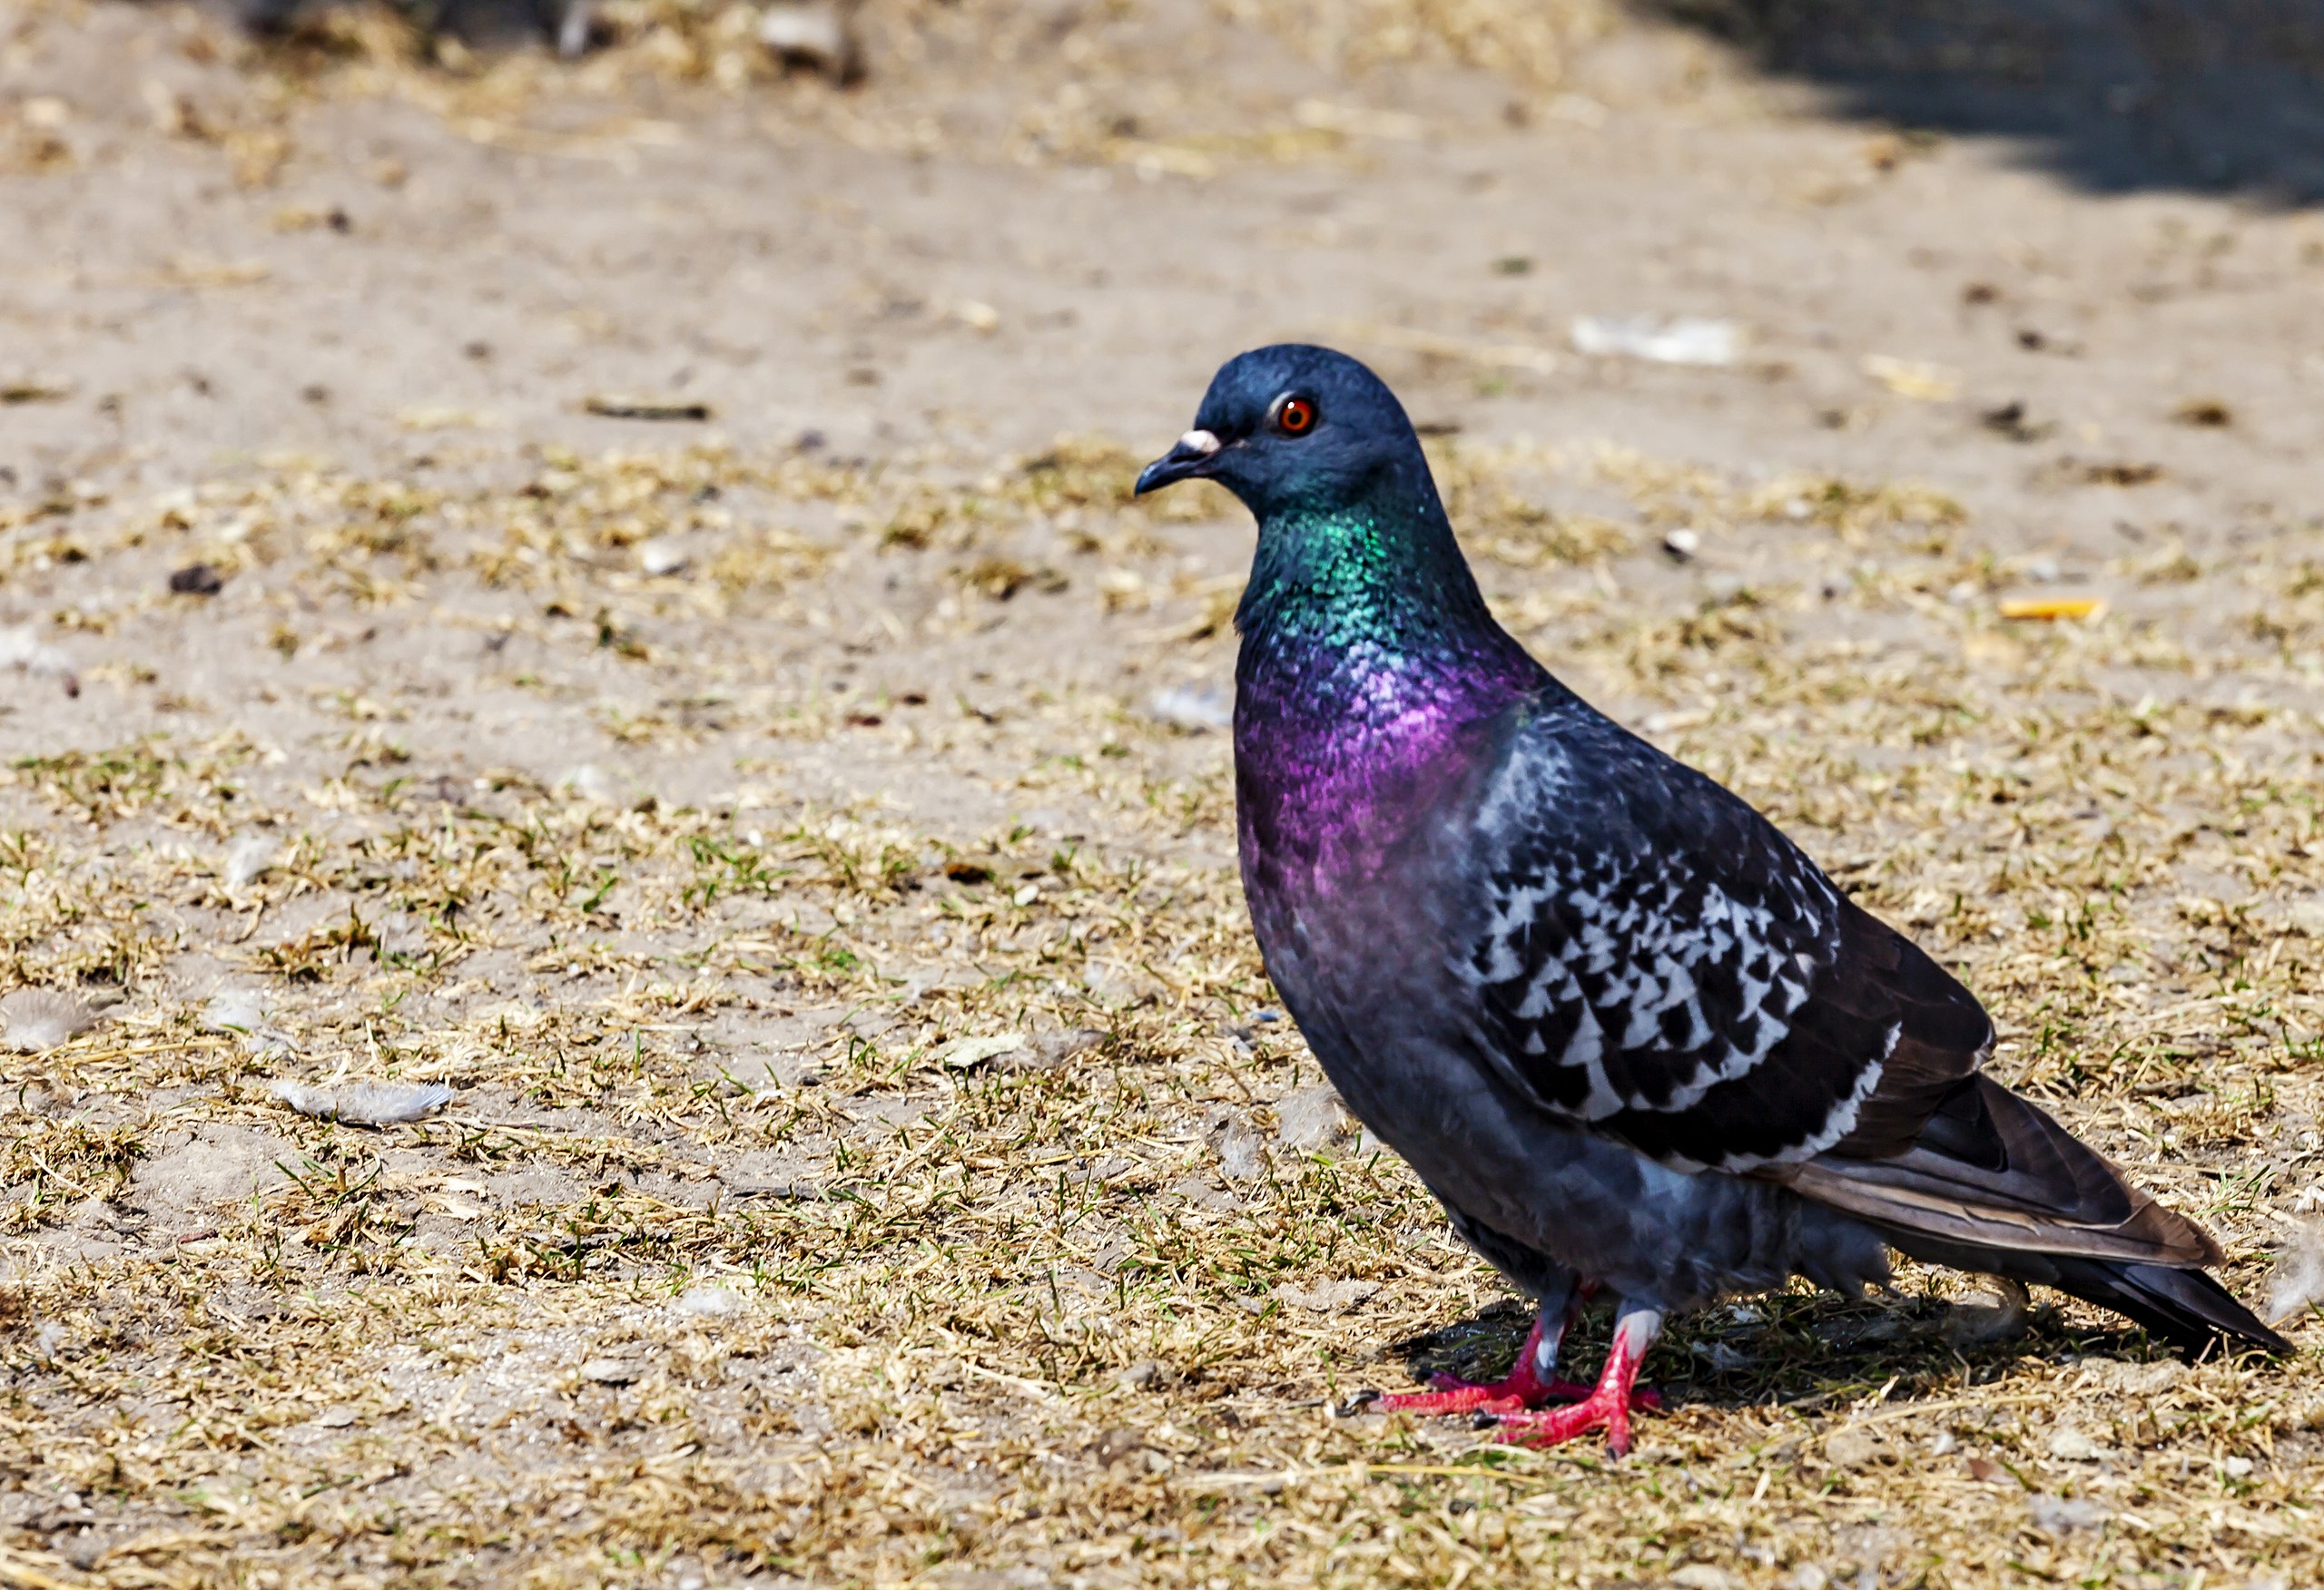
(1526, 1386)
(1607, 1406)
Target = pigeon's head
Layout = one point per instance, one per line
(1293, 426)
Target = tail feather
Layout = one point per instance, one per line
(2184, 1306)
(1992, 1170)
(1993, 1184)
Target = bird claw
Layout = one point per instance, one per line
(1497, 1398)
(1520, 1388)
(1456, 1395)
(1601, 1410)
(1608, 1405)
(1528, 1409)
(1358, 1402)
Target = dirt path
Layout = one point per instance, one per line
(797, 839)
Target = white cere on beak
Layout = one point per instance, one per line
(1199, 441)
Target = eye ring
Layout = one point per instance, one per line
(1293, 415)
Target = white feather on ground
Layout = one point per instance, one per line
(249, 858)
(365, 1103)
(1312, 1119)
(1192, 711)
(42, 1018)
(244, 1014)
(234, 1010)
(1242, 1157)
(592, 783)
(708, 1301)
(2300, 1275)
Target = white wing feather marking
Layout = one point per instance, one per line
(1637, 932)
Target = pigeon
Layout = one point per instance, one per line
(1628, 1034)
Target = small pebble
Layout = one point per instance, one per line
(812, 35)
(1850, 1448)
(2073, 1446)
(2055, 1515)
(1326, 1297)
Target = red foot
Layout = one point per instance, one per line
(1514, 1395)
(1523, 1388)
(1554, 1425)
(1607, 1407)
(1520, 1388)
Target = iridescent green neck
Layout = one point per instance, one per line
(1368, 662)
(1365, 611)
(1369, 668)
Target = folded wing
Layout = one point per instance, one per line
(1657, 962)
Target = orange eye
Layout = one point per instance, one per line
(1295, 416)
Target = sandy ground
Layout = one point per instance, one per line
(796, 837)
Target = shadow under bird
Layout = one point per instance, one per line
(1628, 1034)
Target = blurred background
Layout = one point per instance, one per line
(895, 219)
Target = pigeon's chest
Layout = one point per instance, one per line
(1355, 789)
(1350, 869)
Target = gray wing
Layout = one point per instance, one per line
(1658, 963)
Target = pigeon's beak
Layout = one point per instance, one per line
(1189, 459)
